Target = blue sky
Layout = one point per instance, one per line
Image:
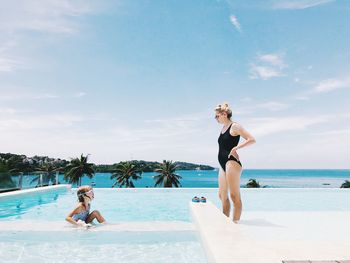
(127, 80)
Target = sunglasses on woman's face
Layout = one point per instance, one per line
(217, 116)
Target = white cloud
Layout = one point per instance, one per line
(324, 86)
(267, 126)
(6, 45)
(298, 4)
(272, 125)
(25, 95)
(79, 95)
(273, 59)
(50, 16)
(7, 111)
(173, 138)
(304, 98)
(236, 23)
(336, 132)
(191, 137)
(330, 85)
(272, 106)
(267, 66)
(9, 62)
(246, 99)
(8, 65)
(31, 122)
(43, 96)
(263, 72)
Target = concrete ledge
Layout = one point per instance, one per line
(63, 226)
(35, 190)
(262, 237)
(225, 241)
(208, 221)
(219, 235)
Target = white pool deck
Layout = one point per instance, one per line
(269, 237)
(34, 190)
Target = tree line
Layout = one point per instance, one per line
(24, 164)
(124, 173)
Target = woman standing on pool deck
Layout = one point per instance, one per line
(231, 167)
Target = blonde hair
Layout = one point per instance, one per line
(224, 108)
(81, 192)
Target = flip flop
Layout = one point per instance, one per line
(195, 199)
(203, 199)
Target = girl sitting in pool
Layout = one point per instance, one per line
(80, 215)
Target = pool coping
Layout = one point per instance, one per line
(215, 230)
(34, 190)
(170, 189)
(270, 236)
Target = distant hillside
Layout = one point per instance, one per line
(24, 164)
(146, 166)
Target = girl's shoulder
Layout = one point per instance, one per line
(79, 206)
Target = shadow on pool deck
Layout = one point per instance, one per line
(259, 222)
(270, 237)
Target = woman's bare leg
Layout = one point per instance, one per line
(223, 193)
(95, 214)
(233, 178)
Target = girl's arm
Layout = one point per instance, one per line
(69, 217)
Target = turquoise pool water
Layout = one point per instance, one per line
(141, 228)
(106, 247)
(123, 205)
(145, 225)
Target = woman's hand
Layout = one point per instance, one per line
(234, 153)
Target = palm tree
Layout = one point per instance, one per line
(346, 184)
(6, 181)
(77, 168)
(166, 175)
(49, 172)
(124, 173)
(252, 183)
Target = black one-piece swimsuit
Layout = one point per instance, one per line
(226, 143)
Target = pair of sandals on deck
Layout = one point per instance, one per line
(196, 199)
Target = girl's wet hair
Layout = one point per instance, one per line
(224, 108)
(81, 193)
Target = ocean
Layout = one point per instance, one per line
(308, 178)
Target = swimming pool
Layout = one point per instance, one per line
(141, 228)
(151, 204)
(145, 225)
(88, 246)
